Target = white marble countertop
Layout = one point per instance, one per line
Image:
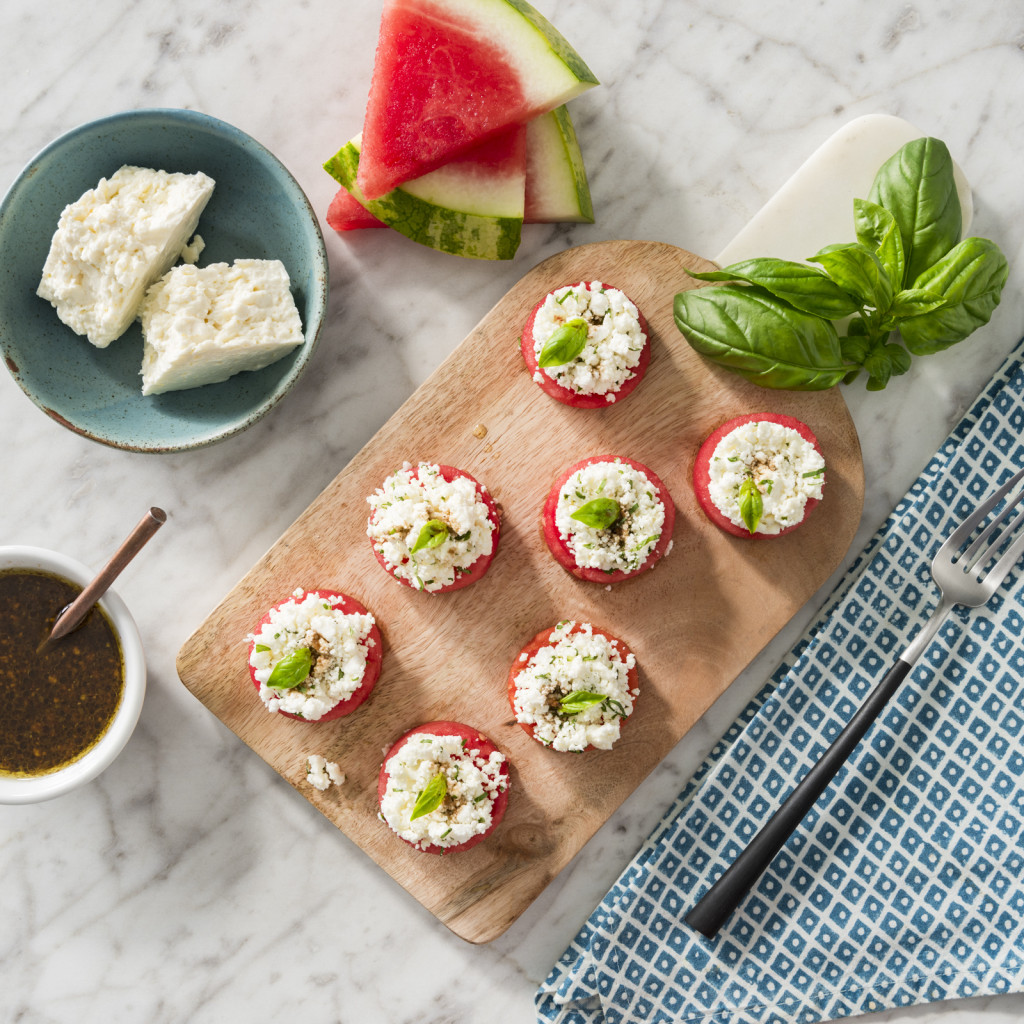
(165, 891)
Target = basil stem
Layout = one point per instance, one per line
(433, 534)
(751, 504)
(291, 670)
(431, 797)
(599, 514)
(565, 344)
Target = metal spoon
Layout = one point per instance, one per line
(71, 615)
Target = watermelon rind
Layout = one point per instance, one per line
(447, 213)
(556, 181)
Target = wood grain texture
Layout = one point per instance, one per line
(694, 622)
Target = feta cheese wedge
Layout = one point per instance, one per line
(202, 326)
(116, 240)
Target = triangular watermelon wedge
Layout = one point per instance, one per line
(556, 180)
(449, 74)
(472, 206)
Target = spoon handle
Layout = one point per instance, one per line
(79, 608)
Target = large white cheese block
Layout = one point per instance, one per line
(116, 240)
(202, 326)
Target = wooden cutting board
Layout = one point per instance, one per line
(694, 622)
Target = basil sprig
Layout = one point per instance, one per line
(599, 514)
(291, 670)
(907, 278)
(431, 797)
(433, 535)
(565, 344)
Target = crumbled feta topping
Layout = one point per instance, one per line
(578, 659)
(338, 643)
(321, 773)
(785, 467)
(403, 506)
(614, 338)
(114, 241)
(472, 784)
(202, 326)
(625, 545)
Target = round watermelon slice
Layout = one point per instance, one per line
(563, 553)
(374, 654)
(542, 640)
(702, 472)
(475, 745)
(567, 396)
(471, 573)
(449, 74)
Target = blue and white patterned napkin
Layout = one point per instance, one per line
(906, 883)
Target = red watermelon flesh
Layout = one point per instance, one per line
(346, 213)
(442, 83)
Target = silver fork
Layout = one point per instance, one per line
(962, 579)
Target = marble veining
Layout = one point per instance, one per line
(189, 882)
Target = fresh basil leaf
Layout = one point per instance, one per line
(565, 344)
(970, 278)
(291, 670)
(431, 797)
(751, 504)
(600, 513)
(856, 269)
(746, 330)
(579, 700)
(878, 230)
(799, 284)
(916, 185)
(432, 535)
(914, 302)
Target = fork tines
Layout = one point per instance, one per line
(989, 540)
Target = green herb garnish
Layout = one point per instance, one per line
(579, 700)
(291, 670)
(599, 514)
(751, 504)
(433, 535)
(431, 798)
(565, 344)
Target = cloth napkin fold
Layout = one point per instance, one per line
(905, 884)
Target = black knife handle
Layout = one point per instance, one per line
(725, 895)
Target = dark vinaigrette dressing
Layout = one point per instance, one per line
(56, 704)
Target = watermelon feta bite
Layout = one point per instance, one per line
(315, 656)
(573, 687)
(433, 527)
(586, 345)
(449, 74)
(759, 475)
(443, 787)
(608, 518)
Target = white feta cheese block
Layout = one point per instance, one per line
(202, 326)
(114, 241)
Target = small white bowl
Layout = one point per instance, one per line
(43, 787)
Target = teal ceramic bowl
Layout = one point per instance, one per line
(257, 211)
